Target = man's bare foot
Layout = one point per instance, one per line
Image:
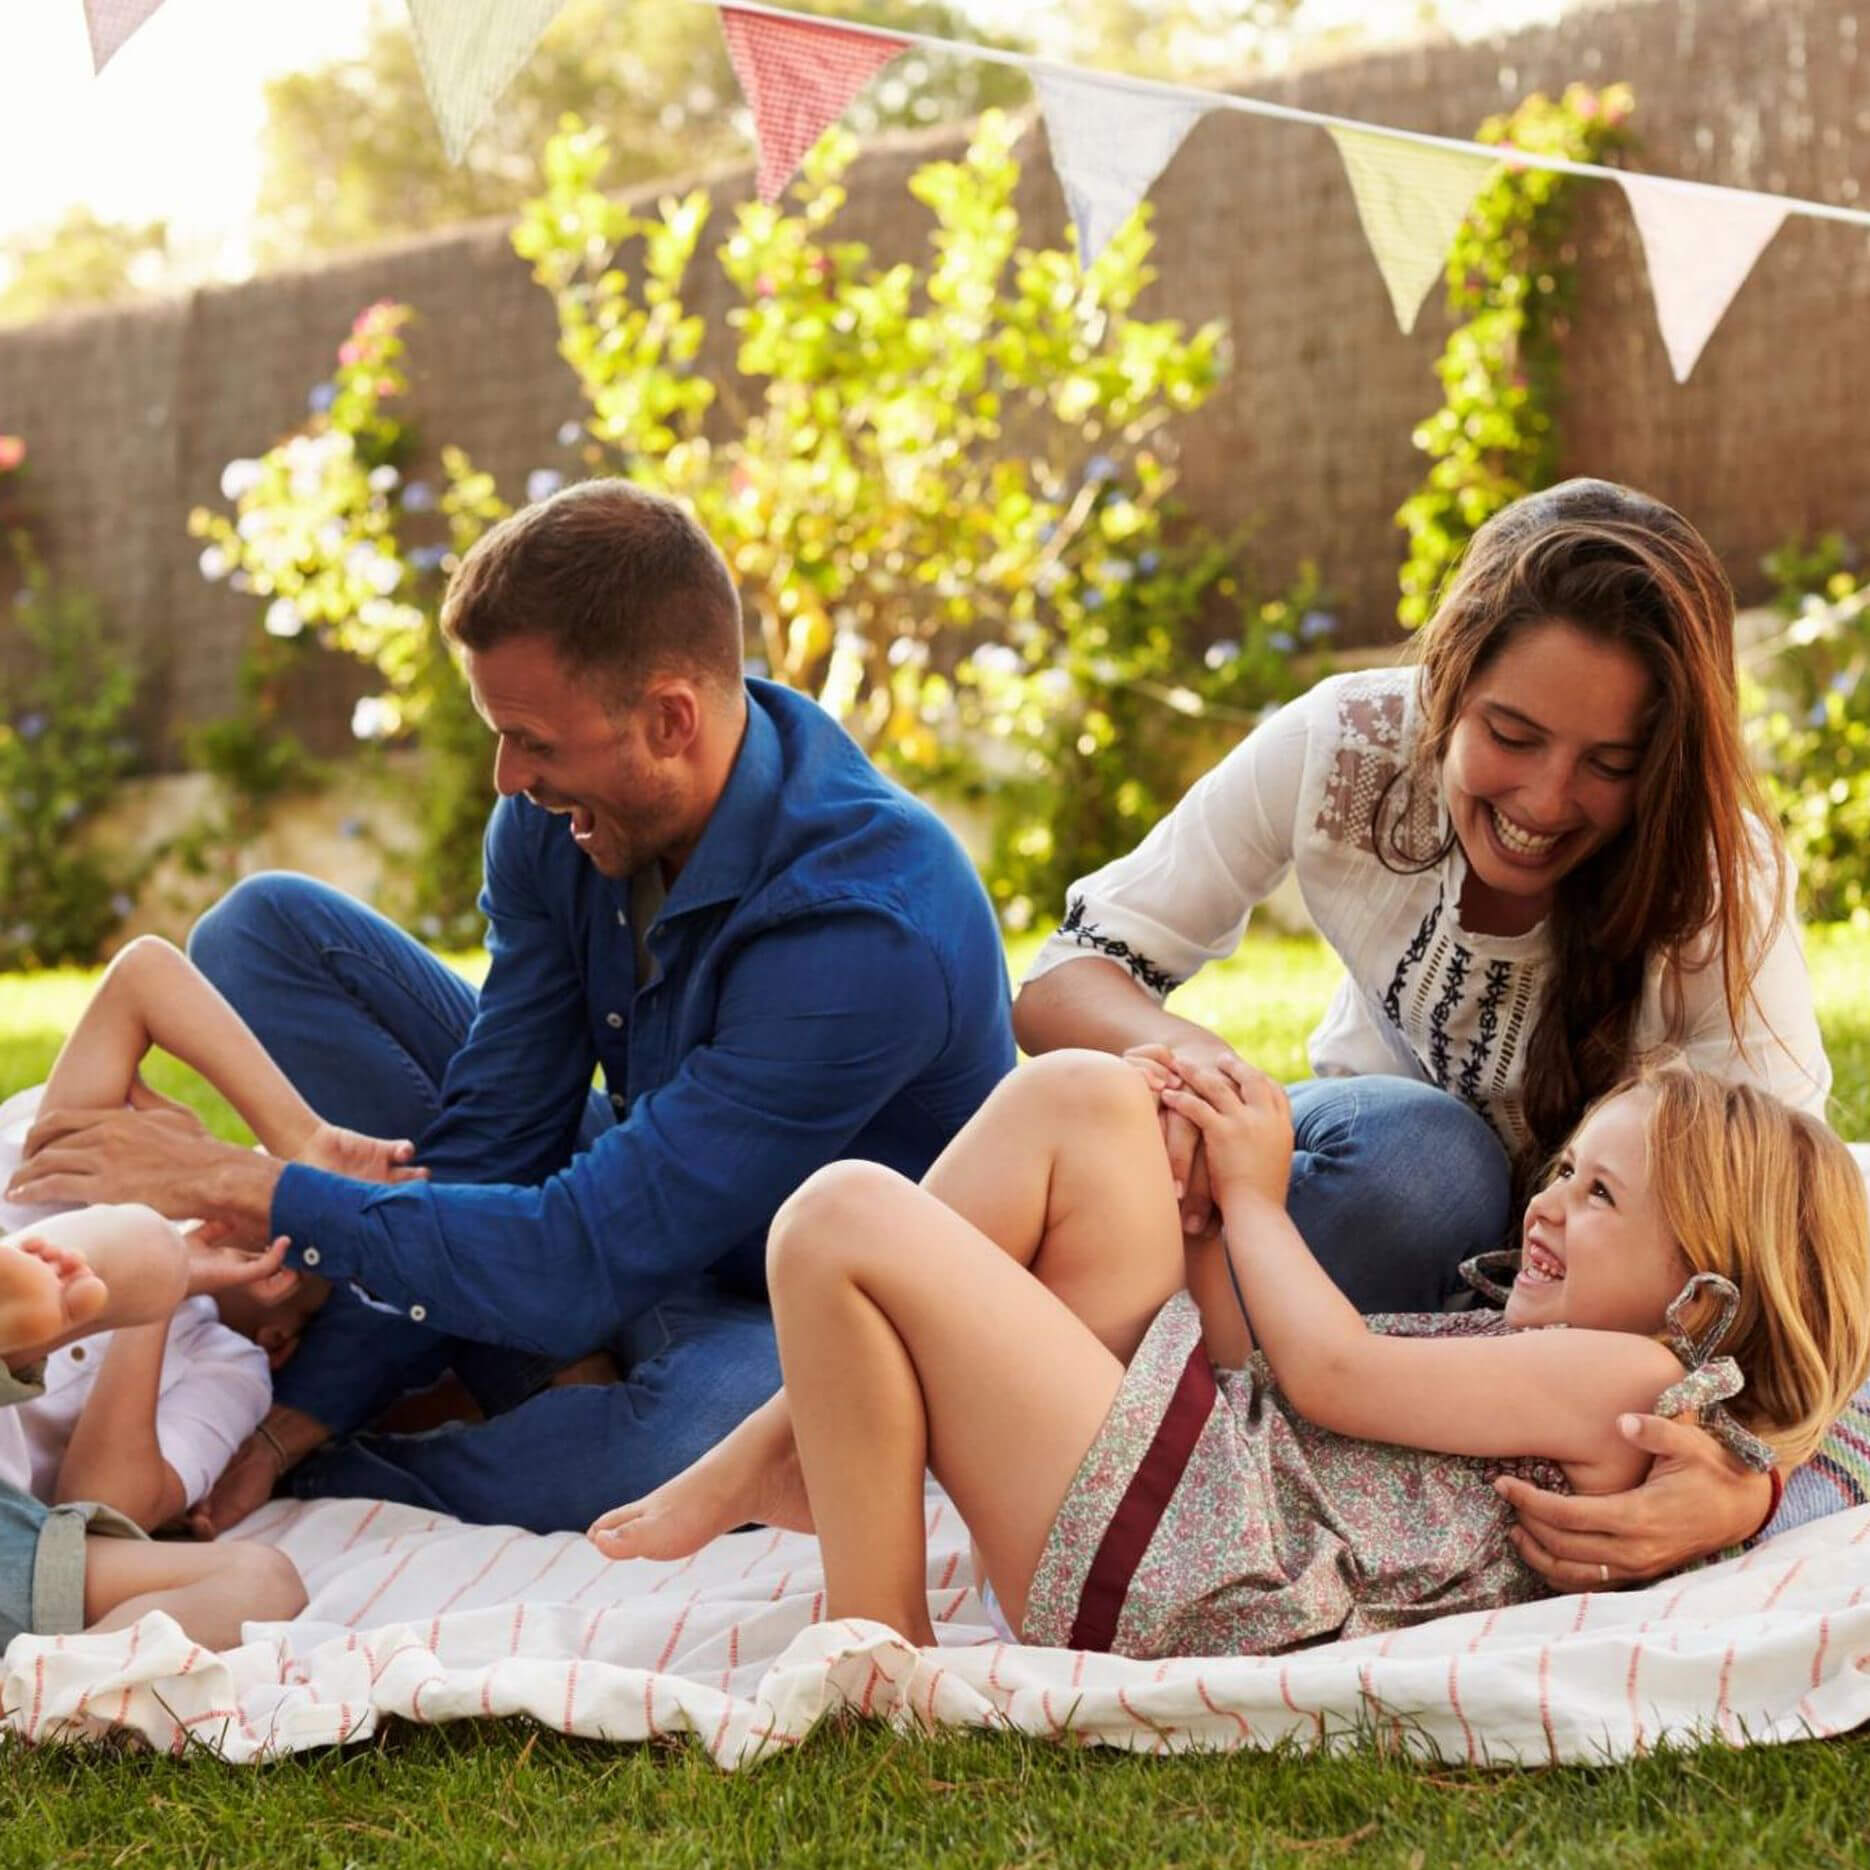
(746, 1480)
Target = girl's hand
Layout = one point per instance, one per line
(1245, 1124)
(213, 1268)
(362, 1158)
(1163, 1067)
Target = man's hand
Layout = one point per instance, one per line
(248, 1480)
(363, 1158)
(1698, 1499)
(158, 1157)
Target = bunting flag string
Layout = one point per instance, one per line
(1411, 201)
(110, 23)
(799, 76)
(470, 51)
(1700, 244)
(1108, 148)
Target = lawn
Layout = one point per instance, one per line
(506, 1794)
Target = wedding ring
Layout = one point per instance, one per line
(1603, 1572)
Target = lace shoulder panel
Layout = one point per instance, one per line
(1366, 761)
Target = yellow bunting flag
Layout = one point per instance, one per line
(470, 51)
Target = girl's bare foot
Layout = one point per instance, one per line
(46, 1291)
(732, 1485)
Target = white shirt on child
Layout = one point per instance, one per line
(1424, 998)
(215, 1386)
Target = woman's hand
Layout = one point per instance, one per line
(1245, 1124)
(362, 1158)
(1697, 1499)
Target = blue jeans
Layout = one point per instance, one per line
(1394, 1184)
(364, 1021)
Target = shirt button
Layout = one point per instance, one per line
(613, 1019)
(418, 1313)
(617, 1100)
(309, 1257)
(77, 1353)
(623, 921)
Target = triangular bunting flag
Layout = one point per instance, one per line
(1411, 199)
(111, 22)
(1700, 244)
(1109, 144)
(470, 51)
(799, 80)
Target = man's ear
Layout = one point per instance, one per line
(671, 712)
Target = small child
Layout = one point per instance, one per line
(139, 1426)
(1141, 1476)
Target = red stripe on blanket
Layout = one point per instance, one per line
(1144, 1502)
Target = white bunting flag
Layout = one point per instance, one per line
(1411, 199)
(111, 22)
(799, 79)
(1109, 144)
(470, 51)
(1700, 244)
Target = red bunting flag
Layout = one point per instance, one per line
(799, 80)
(111, 22)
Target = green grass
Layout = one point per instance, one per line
(505, 1794)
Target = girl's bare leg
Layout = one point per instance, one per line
(1063, 1171)
(210, 1590)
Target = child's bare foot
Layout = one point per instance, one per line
(722, 1490)
(47, 1291)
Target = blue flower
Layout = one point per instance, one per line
(352, 827)
(1219, 655)
(121, 905)
(1282, 641)
(1815, 714)
(1148, 562)
(321, 397)
(428, 557)
(1315, 624)
(543, 483)
(1094, 599)
(418, 497)
(570, 433)
(31, 726)
(1099, 469)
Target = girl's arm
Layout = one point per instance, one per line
(1556, 1394)
(114, 1456)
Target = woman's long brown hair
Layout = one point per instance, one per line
(1624, 569)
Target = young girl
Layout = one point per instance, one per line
(137, 1425)
(1701, 1240)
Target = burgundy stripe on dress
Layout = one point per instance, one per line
(1144, 1502)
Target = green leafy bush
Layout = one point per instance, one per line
(1512, 280)
(64, 745)
(1808, 710)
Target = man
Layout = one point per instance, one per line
(696, 885)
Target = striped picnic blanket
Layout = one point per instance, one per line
(426, 1619)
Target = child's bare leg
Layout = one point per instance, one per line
(210, 1590)
(1063, 1169)
(911, 1341)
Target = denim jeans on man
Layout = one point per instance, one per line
(825, 979)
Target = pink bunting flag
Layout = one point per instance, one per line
(1700, 244)
(111, 22)
(799, 80)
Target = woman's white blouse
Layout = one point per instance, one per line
(1424, 997)
(215, 1385)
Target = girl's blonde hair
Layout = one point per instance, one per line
(1769, 1198)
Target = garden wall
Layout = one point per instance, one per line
(130, 415)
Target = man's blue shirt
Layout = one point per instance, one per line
(826, 980)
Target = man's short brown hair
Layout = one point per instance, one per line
(622, 583)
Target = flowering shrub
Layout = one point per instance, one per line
(1512, 279)
(1808, 716)
(318, 532)
(63, 747)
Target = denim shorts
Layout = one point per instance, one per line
(42, 1562)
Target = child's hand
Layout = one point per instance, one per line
(1245, 1124)
(362, 1158)
(214, 1268)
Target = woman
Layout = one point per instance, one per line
(1539, 853)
